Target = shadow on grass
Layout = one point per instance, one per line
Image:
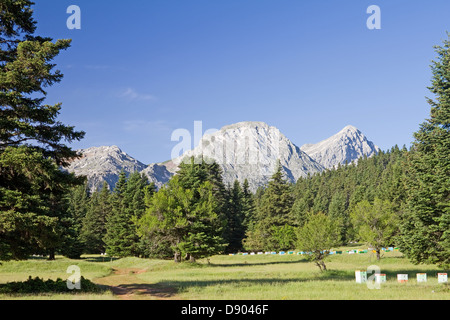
(181, 285)
(134, 290)
(250, 264)
(330, 275)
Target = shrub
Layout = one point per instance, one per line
(38, 285)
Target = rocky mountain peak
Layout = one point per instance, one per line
(245, 150)
(103, 164)
(347, 145)
(250, 150)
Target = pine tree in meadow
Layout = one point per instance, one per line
(120, 231)
(186, 219)
(26, 71)
(234, 231)
(272, 216)
(277, 201)
(248, 205)
(94, 223)
(76, 207)
(339, 214)
(425, 228)
(32, 140)
(134, 205)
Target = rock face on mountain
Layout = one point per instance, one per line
(251, 150)
(346, 146)
(245, 150)
(158, 174)
(103, 164)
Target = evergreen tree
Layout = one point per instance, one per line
(77, 206)
(193, 173)
(134, 205)
(32, 191)
(338, 213)
(426, 223)
(94, 222)
(24, 212)
(277, 201)
(120, 230)
(25, 72)
(248, 205)
(234, 231)
(198, 171)
(272, 215)
(186, 218)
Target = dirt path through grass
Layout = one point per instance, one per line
(125, 284)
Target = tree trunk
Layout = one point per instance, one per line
(51, 256)
(378, 254)
(319, 265)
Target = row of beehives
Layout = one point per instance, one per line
(361, 277)
(389, 249)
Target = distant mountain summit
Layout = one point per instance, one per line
(103, 164)
(347, 145)
(246, 150)
(250, 150)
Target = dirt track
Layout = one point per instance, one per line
(125, 284)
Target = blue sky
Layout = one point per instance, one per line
(139, 69)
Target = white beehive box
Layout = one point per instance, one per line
(380, 278)
(361, 276)
(442, 278)
(421, 277)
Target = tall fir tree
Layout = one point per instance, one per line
(77, 206)
(277, 201)
(134, 205)
(273, 216)
(186, 218)
(337, 211)
(234, 231)
(120, 231)
(425, 225)
(31, 198)
(248, 205)
(94, 222)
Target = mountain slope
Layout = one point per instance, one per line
(102, 164)
(158, 174)
(245, 150)
(347, 145)
(250, 150)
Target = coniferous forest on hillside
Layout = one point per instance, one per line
(399, 197)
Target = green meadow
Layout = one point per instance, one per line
(239, 277)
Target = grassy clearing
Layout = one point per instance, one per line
(258, 277)
(294, 278)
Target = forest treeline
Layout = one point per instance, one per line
(195, 215)
(399, 197)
